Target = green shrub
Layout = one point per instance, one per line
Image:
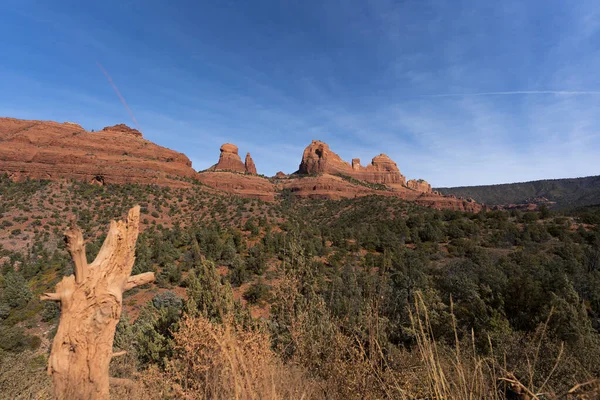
(15, 292)
(257, 293)
(50, 311)
(13, 338)
(167, 300)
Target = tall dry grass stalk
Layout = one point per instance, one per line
(461, 373)
(456, 373)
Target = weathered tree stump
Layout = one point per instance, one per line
(91, 303)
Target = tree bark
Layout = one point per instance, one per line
(91, 303)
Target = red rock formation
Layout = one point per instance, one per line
(327, 186)
(119, 154)
(229, 160)
(319, 159)
(419, 185)
(244, 185)
(249, 165)
(281, 175)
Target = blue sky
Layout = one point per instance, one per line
(456, 92)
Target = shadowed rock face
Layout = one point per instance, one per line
(117, 154)
(319, 159)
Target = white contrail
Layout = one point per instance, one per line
(518, 92)
(119, 94)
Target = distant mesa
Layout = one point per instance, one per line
(318, 159)
(230, 160)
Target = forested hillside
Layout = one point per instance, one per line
(372, 297)
(565, 193)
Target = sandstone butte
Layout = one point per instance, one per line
(318, 159)
(117, 154)
(323, 174)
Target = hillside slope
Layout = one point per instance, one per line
(572, 192)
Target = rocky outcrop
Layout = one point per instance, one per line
(419, 185)
(124, 129)
(229, 160)
(244, 185)
(319, 159)
(249, 165)
(118, 154)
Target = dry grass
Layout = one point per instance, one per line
(461, 373)
(223, 361)
(23, 376)
(215, 361)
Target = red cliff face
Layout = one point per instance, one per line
(319, 159)
(118, 154)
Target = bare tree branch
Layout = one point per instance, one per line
(50, 297)
(76, 246)
(139, 280)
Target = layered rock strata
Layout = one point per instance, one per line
(118, 154)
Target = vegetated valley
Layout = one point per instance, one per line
(560, 193)
(373, 297)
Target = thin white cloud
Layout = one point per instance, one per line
(518, 92)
